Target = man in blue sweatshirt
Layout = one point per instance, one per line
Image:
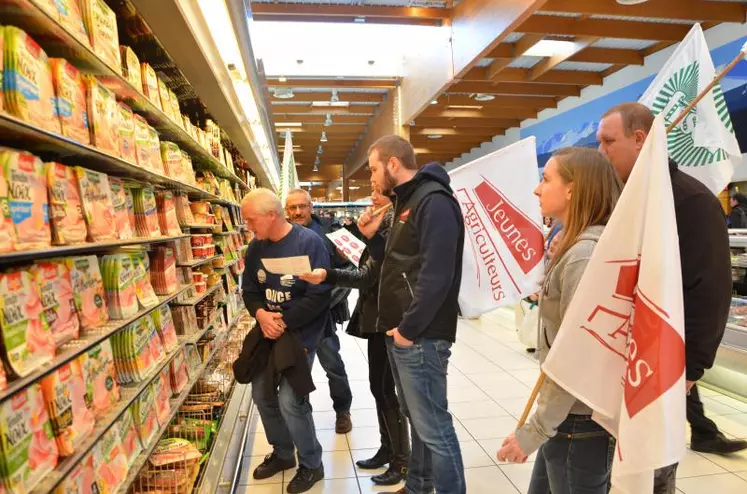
(418, 287)
(284, 303)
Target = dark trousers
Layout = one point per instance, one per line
(395, 439)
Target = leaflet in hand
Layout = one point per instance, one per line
(348, 245)
(295, 266)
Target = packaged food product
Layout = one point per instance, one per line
(144, 413)
(27, 81)
(27, 198)
(131, 67)
(57, 298)
(71, 102)
(130, 204)
(7, 230)
(173, 450)
(110, 462)
(176, 114)
(80, 480)
(155, 151)
(171, 156)
(66, 210)
(102, 390)
(193, 357)
(142, 143)
(179, 373)
(27, 341)
(167, 219)
(29, 451)
(200, 207)
(201, 239)
(163, 395)
(119, 283)
(128, 435)
(103, 115)
(98, 205)
(163, 270)
(165, 327)
(101, 24)
(164, 96)
(146, 213)
(122, 224)
(183, 211)
(88, 287)
(64, 393)
(71, 17)
(150, 84)
(2, 56)
(145, 294)
(200, 287)
(127, 149)
(189, 172)
(49, 6)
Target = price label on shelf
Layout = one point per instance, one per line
(348, 245)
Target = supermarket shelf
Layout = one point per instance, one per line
(192, 339)
(226, 234)
(225, 202)
(199, 225)
(738, 240)
(64, 250)
(196, 300)
(76, 347)
(197, 262)
(57, 41)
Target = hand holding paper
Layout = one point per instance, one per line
(295, 266)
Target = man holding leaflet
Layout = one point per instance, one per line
(282, 303)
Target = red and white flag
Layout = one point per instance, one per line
(503, 241)
(621, 347)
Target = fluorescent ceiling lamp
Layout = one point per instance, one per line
(434, 102)
(328, 104)
(483, 97)
(288, 124)
(434, 136)
(631, 2)
(353, 187)
(551, 48)
(465, 107)
(283, 92)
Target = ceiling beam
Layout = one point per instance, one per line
(447, 140)
(318, 110)
(260, 10)
(568, 26)
(446, 131)
(511, 74)
(320, 119)
(443, 112)
(519, 48)
(373, 98)
(333, 83)
(691, 10)
(536, 102)
(589, 55)
(516, 88)
(541, 69)
(503, 123)
(346, 130)
(411, 21)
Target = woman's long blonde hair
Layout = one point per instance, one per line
(595, 191)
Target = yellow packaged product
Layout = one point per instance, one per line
(71, 17)
(155, 151)
(150, 84)
(176, 113)
(71, 100)
(171, 156)
(131, 67)
(101, 23)
(165, 97)
(103, 116)
(2, 50)
(142, 143)
(126, 128)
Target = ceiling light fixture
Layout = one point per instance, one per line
(335, 98)
(465, 107)
(282, 78)
(283, 92)
(434, 102)
(483, 97)
(328, 121)
(319, 150)
(551, 48)
(359, 19)
(315, 168)
(324, 137)
(288, 124)
(327, 104)
(434, 136)
(631, 2)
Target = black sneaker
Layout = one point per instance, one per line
(305, 479)
(719, 445)
(272, 465)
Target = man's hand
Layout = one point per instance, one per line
(271, 324)
(689, 386)
(511, 451)
(316, 277)
(369, 224)
(398, 338)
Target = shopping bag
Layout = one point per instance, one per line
(527, 330)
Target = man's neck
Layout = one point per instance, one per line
(405, 177)
(280, 231)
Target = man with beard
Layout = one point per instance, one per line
(298, 207)
(421, 269)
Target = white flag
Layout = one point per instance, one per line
(621, 346)
(703, 144)
(288, 173)
(503, 241)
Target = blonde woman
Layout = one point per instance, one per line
(579, 188)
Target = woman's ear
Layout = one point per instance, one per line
(569, 191)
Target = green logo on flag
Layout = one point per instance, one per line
(674, 97)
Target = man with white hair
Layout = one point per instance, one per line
(284, 304)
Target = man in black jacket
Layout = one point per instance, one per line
(298, 207)
(421, 269)
(706, 270)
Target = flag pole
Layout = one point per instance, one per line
(708, 88)
(530, 402)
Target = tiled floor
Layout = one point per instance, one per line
(490, 377)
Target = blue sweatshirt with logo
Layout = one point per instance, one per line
(305, 307)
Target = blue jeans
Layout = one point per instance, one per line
(578, 460)
(328, 353)
(288, 422)
(420, 375)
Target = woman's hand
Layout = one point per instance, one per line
(316, 277)
(511, 451)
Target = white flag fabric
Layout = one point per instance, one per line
(503, 241)
(621, 346)
(288, 173)
(703, 144)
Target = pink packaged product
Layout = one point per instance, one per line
(58, 301)
(122, 224)
(165, 327)
(7, 231)
(88, 289)
(163, 270)
(167, 218)
(183, 211)
(163, 395)
(72, 108)
(179, 373)
(199, 240)
(98, 206)
(127, 149)
(65, 207)
(103, 116)
(27, 198)
(102, 390)
(80, 480)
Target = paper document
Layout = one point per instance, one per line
(288, 265)
(348, 244)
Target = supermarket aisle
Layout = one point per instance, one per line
(489, 381)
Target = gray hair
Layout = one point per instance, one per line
(264, 200)
(300, 191)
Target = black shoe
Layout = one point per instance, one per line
(305, 479)
(719, 445)
(393, 476)
(380, 459)
(272, 465)
(344, 423)
(531, 350)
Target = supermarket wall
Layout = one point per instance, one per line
(574, 121)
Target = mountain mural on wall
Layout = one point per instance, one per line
(578, 126)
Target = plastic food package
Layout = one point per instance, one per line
(57, 298)
(98, 206)
(155, 151)
(88, 289)
(146, 213)
(71, 101)
(144, 413)
(183, 211)
(173, 450)
(64, 393)
(27, 341)
(176, 113)
(110, 462)
(130, 204)
(122, 224)
(167, 218)
(131, 67)
(145, 294)
(27, 198)
(128, 436)
(163, 270)
(179, 373)
(164, 96)
(163, 395)
(27, 81)
(103, 116)
(7, 230)
(189, 172)
(71, 17)
(171, 156)
(102, 390)
(150, 84)
(29, 451)
(101, 23)
(66, 210)
(193, 358)
(126, 128)
(2, 56)
(142, 143)
(137, 351)
(119, 283)
(165, 327)
(81, 480)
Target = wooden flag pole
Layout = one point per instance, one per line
(707, 90)
(530, 402)
(381, 210)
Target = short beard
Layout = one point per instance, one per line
(389, 184)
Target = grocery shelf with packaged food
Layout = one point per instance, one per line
(120, 313)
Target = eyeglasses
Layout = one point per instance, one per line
(300, 207)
